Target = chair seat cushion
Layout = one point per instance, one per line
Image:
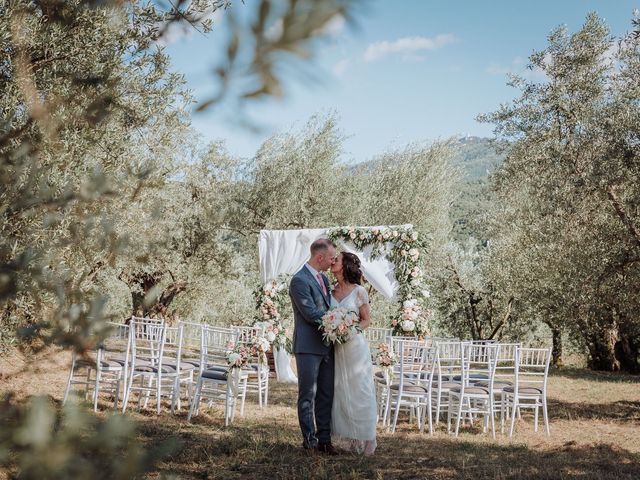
(147, 368)
(184, 366)
(109, 365)
(471, 390)
(446, 385)
(193, 361)
(409, 388)
(139, 361)
(497, 384)
(473, 376)
(214, 374)
(524, 390)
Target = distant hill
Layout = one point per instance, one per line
(476, 157)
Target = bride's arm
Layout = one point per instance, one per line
(365, 315)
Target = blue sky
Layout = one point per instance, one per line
(412, 71)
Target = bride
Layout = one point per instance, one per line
(354, 402)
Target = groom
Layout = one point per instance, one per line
(311, 298)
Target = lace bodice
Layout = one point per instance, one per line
(355, 299)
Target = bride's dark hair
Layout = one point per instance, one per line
(351, 268)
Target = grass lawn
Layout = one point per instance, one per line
(595, 434)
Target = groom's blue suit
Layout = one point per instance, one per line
(314, 359)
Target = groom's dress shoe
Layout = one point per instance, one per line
(327, 449)
(310, 451)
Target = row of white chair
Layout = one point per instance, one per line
(148, 357)
(463, 379)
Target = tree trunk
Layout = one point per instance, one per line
(556, 349)
(142, 284)
(602, 349)
(613, 351)
(626, 351)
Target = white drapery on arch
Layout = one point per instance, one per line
(286, 251)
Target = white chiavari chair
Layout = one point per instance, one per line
(257, 369)
(216, 381)
(100, 371)
(478, 362)
(530, 387)
(146, 367)
(412, 388)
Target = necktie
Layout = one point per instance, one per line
(324, 289)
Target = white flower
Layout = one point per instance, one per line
(408, 326)
(414, 252)
(395, 233)
(271, 337)
(403, 253)
(233, 358)
(414, 236)
(410, 303)
(352, 235)
(426, 293)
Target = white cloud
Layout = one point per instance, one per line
(340, 68)
(407, 46)
(335, 26)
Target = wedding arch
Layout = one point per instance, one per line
(391, 258)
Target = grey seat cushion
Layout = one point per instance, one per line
(473, 376)
(139, 361)
(214, 374)
(184, 366)
(446, 385)
(409, 388)
(146, 368)
(472, 390)
(110, 365)
(497, 384)
(524, 390)
(193, 361)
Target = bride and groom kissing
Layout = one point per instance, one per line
(336, 394)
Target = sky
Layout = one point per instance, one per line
(410, 71)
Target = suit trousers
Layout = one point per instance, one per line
(315, 397)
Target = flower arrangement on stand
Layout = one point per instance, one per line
(270, 301)
(238, 355)
(385, 358)
(403, 247)
(259, 347)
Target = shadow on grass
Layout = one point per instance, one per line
(594, 376)
(270, 449)
(623, 410)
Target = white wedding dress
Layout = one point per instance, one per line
(354, 413)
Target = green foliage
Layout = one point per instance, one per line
(93, 131)
(566, 235)
(73, 443)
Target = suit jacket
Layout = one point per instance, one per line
(309, 306)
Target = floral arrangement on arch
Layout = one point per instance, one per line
(270, 301)
(404, 247)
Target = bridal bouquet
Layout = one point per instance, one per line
(339, 325)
